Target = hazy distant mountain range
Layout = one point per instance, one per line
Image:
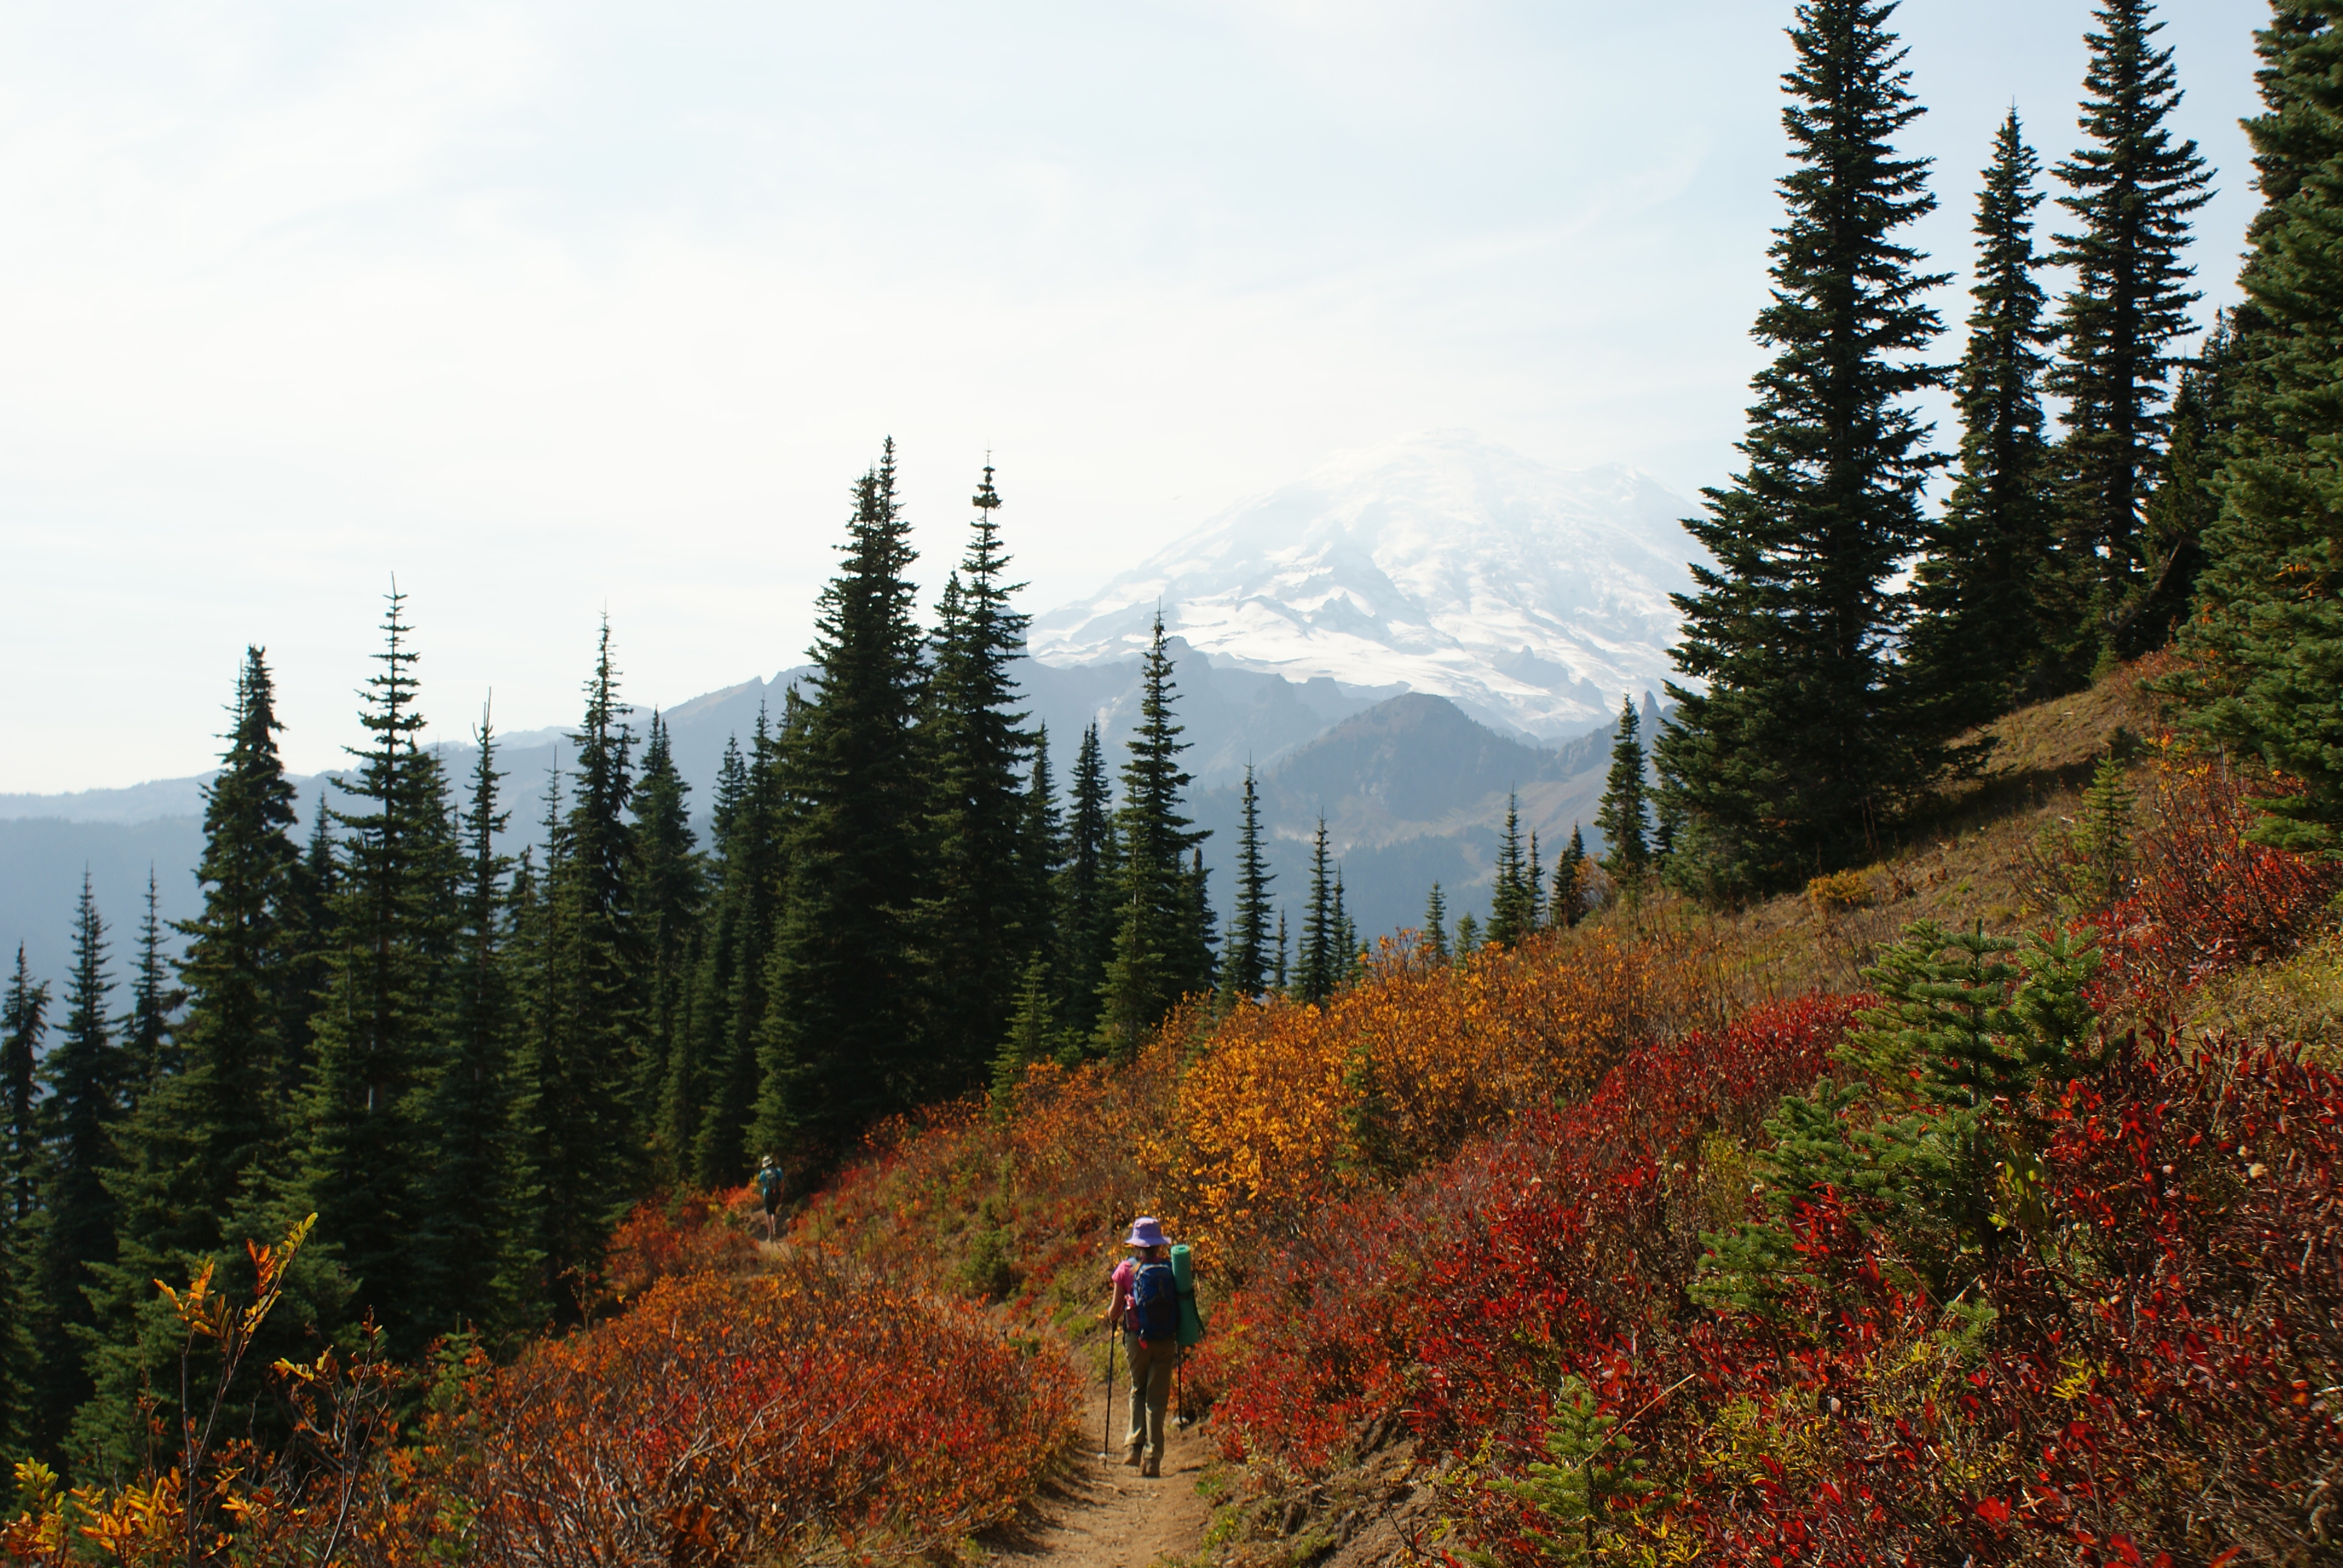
(1396, 642)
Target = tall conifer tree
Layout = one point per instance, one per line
(1511, 916)
(2267, 639)
(2133, 190)
(837, 1048)
(86, 1078)
(23, 1024)
(1318, 956)
(1160, 949)
(1085, 892)
(1984, 623)
(584, 1121)
(468, 1258)
(1802, 744)
(974, 924)
(667, 887)
(1620, 815)
(154, 998)
(216, 1129)
(1244, 961)
(381, 1024)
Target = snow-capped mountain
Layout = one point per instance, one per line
(1531, 597)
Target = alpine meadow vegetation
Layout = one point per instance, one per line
(1902, 1126)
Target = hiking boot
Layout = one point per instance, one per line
(1130, 1455)
(1154, 1467)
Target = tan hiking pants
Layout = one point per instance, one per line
(1150, 1391)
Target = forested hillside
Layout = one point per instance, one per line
(1909, 1133)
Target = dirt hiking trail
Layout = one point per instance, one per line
(1102, 1514)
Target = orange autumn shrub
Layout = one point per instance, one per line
(693, 1232)
(1291, 1107)
(802, 1415)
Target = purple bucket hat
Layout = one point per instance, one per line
(1146, 1232)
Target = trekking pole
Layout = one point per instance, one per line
(1106, 1430)
(1178, 1383)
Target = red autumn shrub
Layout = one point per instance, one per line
(1452, 1300)
(793, 1415)
(2204, 899)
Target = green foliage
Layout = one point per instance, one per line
(1976, 645)
(1084, 894)
(840, 1023)
(1160, 953)
(1797, 739)
(1622, 817)
(2266, 643)
(1244, 959)
(1435, 922)
(1591, 1478)
(1319, 966)
(86, 1076)
(667, 887)
(2132, 192)
(1512, 911)
(1927, 1140)
(381, 1031)
(977, 911)
(1572, 882)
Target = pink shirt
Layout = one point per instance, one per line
(1125, 1275)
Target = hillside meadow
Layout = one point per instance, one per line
(1776, 1235)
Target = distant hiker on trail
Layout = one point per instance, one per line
(769, 1182)
(1145, 1306)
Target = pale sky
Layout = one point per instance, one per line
(556, 308)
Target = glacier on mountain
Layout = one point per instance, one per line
(1531, 597)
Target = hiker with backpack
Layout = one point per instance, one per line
(770, 1179)
(1145, 1306)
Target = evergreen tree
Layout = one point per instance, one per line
(1244, 961)
(309, 935)
(147, 1028)
(1087, 912)
(2201, 430)
(1278, 978)
(1468, 937)
(1160, 949)
(975, 913)
(1040, 857)
(1979, 643)
(1032, 1035)
(381, 1028)
(1536, 885)
(23, 1024)
(582, 1117)
(1805, 742)
(465, 1256)
(667, 887)
(1570, 881)
(2133, 191)
(1510, 916)
(1317, 971)
(715, 1086)
(1621, 817)
(86, 1080)
(1435, 923)
(205, 1136)
(2265, 673)
(837, 1047)
(1350, 956)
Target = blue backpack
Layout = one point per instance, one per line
(1155, 1302)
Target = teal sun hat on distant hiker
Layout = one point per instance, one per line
(1146, 1232)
